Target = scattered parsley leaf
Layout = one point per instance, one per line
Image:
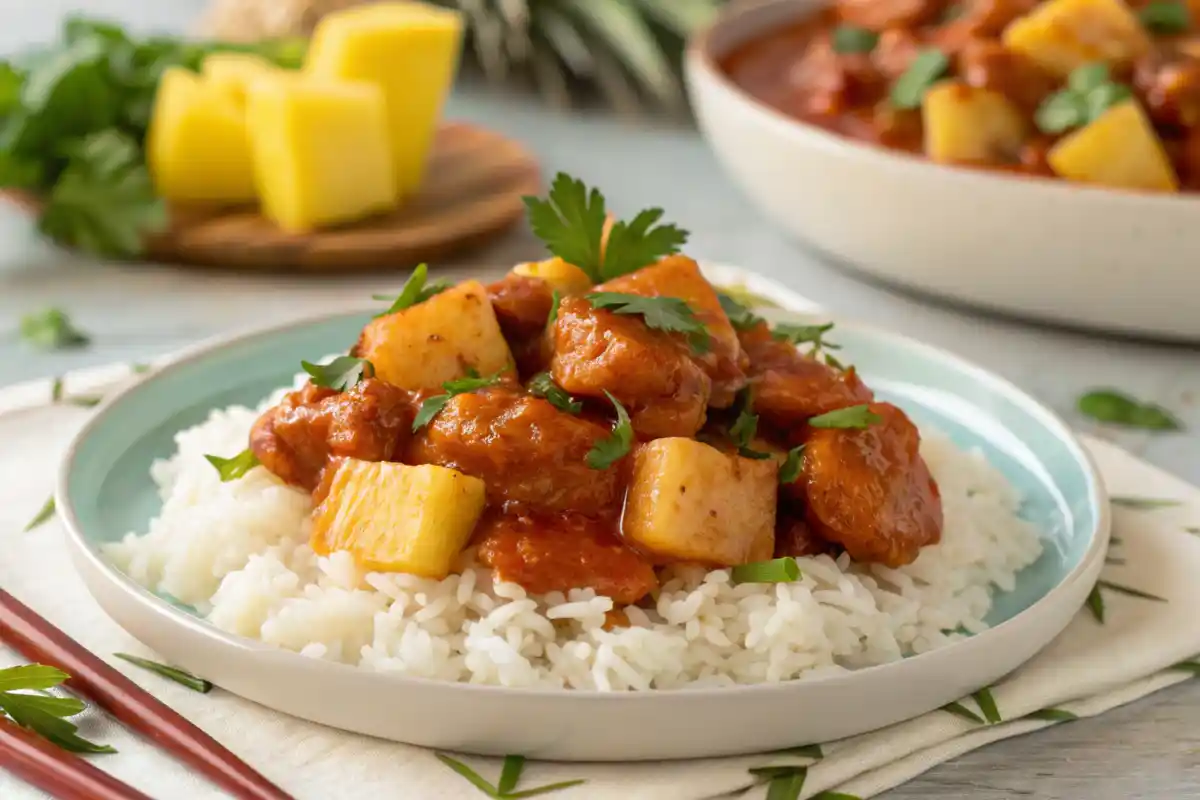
(231, 469)
(413, 292)
(542, 385)
(777, 570)
(171, 673)
(433, 405)
(571, 223)
(860, 416)
(1129, 592)
(51, 329)
(1087, 77)
(806, 334)
(31, 677)
(745, 426)
(40, 713)
(140, 369)
(789, 471)
(56, 390)
(1089, 92)
(908, 90)
(1165, 16)
(43, 516)
(1187, 666)
(668, 314)
(850, 39)
(959, 710)
(1117, 408)
(1142, 503)
(1095, 604)
(555, 302)
(1061, 112)
(740, 317)
(85, 400)
(1194, 531)
(639, 243)
(613, 448)
(830, 361)
(429, 409)
(1053, 715)
(341, 374)
(987, 704)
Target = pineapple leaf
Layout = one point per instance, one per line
(681, 17)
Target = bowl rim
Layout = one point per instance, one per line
(85, 548)
(701, 63)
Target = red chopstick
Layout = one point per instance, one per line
(55, 771)
(43, 643)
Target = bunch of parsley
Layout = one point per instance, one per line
(73, 121)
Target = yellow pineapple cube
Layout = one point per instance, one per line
(233, 73)
(969, 124)
(411, 51)
(688, 501)
(397, 518)
(566, 278)
(1061, 35)
(1120, 148)
(320, 149)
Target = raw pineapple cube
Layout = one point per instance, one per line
(1061, 35)
(969, 124)
(233, 73)
(1120, 149)
(566, 278)
(197, 147)
(688, 501)
(411, 51)
(320, 151)
(396, 518)
(423, 346)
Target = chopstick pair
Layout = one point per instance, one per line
(69, 777)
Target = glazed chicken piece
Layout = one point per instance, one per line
(530, 454)
(522, 305)
(794, 537)
(297, 439)
(650, 372)
(870, 491)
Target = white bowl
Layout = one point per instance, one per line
(1111, 260)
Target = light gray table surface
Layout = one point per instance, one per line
(1148, 750)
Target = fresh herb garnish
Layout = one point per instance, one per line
(740, 317)
(803, 751)
(853, 417)
(849, 39)
(1165, 16)
(51, 329)
(615, 446)
(830, 361)
(909, 89)
(777, 570)
(959, 710)
(1089, 93)
(834, 796)
(414, 291)
(1129, 592)
(1117, 408)
(789, 471)
(1053, 715)
(1142, 503)
(471, 383)
(542, 385)
(56, 390)
(739, 293)
(555, 302)
(745, 426)
(510, 777)
(43, 516)
(668, 314)
(806, 334)
(987, 704)
(571, 224)
(786, 784)
(171, 673)
(230, 469)
(1187, 666)
(23, 700)
(1095, 604)
(340, 374)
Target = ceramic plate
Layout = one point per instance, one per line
(105, 491)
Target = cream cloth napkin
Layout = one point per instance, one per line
(1089, 669)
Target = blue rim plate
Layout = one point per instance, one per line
(105, 492)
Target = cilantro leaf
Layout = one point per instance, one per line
(806, 334)
(429, 409)
(744, 428)
(414, 291)
(555, 301)
(571, 223)
(432, 405)
(740, 317)
(230, 469)
(668, 314)
(41, 713)
(860, 416)
(789, 471)
(52, 329)
(341, 374)
(613, 448)
(1118, 408)
(639, 243)
(542, 385)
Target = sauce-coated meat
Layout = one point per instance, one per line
(522, 307)
(559, 553)
(870, 491)
(794, 537)
(530, 454)
(297, 438)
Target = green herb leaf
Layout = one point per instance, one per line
(860, 416)
(639, 244)
(543, 790)
(341, 374)
(959, 710)
(1142, 503)
(740, 317)
(1194, 531)
(1088, 77)
(555, 302)
(231, 469)
(848, 39)
(830, 361)
(429, 409)
(1061, 112)
(1187, 666)
(987, 704)
(1129, 592)
(1095, 604)
(43, 516)
(30, 677)
(745, 426)
(413, 292)
(787, 787)
(908, 90)
(777, 570)
(1053, 715)
(542, 385)
(29, 713)
(56, 390)
(1165, 16)
(834, 796)
(753, 455)
(51, 329)
(170, 673)
(746, 298)
(805, 334)
(1111, 406)
(668, 314)
(473, 777)
(471, 383)
(85, 400)
(140, 369)
(613, 448)
(510, 774)
(789, 471)
(571, 223)
(803, 751)
(1102, 98)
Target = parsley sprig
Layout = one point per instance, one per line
(1090, 91)
(668, 314)
(341, 374)
(51, 329)
(472, 383)
(745, 426)
(860, 417)
(617, 445)
(570, 221)
(806, 334)
(789, 471)
(741, 317)
(230, 469)
(414, 291)
(542, 385)
(24, 701)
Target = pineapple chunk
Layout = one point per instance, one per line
(197, 147)
(320, 151)
(688, 501)
(1119, 149)
(969, 124)
(566, 278)
(411, 51)
(233, 73)
(423, 346)
(396, 518)
(1061, 35)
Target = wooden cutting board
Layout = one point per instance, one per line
(472, 194)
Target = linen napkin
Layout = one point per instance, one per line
(1141, 646)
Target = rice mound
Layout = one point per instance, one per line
(238, 553)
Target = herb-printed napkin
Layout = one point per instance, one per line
(1135, 636)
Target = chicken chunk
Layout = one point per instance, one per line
(793, 537)
(988, 64)
(530, 454)
(522, 305)
(870, 491)
(298, 438)
(1169, 87)
(826, 82)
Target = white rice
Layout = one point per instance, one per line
(238, 552)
